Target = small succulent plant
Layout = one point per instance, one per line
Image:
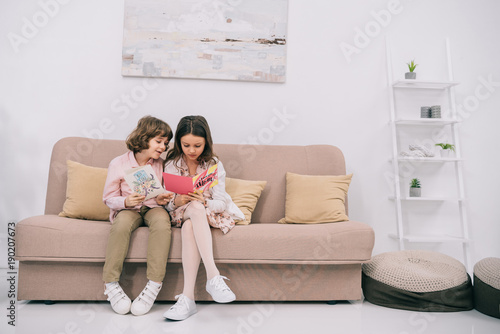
(412, 65)
(415, 183)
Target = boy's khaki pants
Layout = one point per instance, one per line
(127, 221)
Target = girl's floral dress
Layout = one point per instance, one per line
(220, 220)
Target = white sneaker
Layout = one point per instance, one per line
(182, 309)
(120, 302)
(143, 303)
(219, 290)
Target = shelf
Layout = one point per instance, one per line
(428, 199)
(433, 159)
(427, 122)
(406, 122)
(421, 84)
(430, 238)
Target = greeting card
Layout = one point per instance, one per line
(142, 180)
(184, 184)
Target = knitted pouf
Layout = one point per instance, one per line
(487, 286)
(417, 280)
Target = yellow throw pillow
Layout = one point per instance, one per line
(84, 192)
(245, 195)
(312, 199)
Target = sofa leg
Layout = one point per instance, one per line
(331, 302)
(49, 302)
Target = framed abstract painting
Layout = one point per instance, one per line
(206, 39)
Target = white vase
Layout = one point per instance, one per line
(445, 153)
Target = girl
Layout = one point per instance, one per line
(129, 210)
(195, 213)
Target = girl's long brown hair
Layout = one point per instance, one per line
(197, 126)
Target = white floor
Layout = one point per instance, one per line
(239, 318)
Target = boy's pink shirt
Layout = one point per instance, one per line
(116, 188)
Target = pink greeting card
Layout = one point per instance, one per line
(184, 184)
(178, 184)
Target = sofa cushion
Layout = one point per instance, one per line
(84, 189)
(53, 238)
(245, 195)
(314, 199)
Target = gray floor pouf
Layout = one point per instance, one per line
(487, 286)
(417, 280)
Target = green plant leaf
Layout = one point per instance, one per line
(446, 146)
(415, 183)
(411, 65)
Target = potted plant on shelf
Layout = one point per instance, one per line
(411, 67)
(445, 149)
(415, 190)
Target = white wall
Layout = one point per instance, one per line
(65, 81)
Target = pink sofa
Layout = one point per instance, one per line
(265, 261)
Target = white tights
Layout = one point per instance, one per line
(196, 245)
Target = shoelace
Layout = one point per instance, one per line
(220, 284)
(181, 303)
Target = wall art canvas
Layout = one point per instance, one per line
(206, 39)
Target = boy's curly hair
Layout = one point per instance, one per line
(148, 127)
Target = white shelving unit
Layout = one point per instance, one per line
(396, 124)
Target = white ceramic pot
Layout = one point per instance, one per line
(415, 192)
(445, 153)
